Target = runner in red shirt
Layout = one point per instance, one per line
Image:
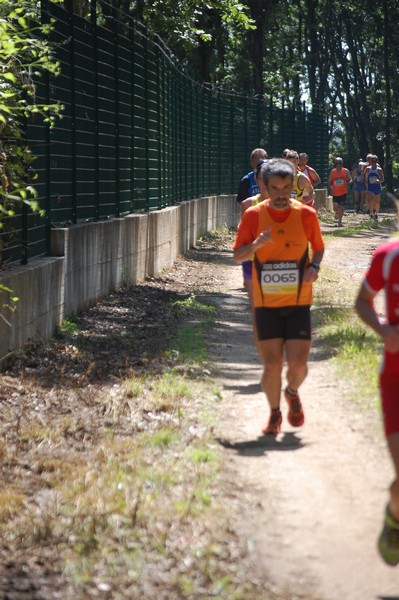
(383, 274)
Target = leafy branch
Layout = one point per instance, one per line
(25, 54)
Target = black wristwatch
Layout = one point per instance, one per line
(315, 266)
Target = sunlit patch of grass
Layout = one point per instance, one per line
(136, 386)
(356, 349)
(129, 495)
(35, 430)
(366, 225)
(192, 304)
(11, 503)
(173, 386)
(163, 438)
(200, 455)
(333, 290)
(167, 392)
(221, 236)
(68, 327)
(188, 344)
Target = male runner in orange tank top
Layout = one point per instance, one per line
(277, 234)
(338, 181)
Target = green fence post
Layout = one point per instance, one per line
(146, 121)
(47, 168)
(232, 142)
(93, 14)
(117, 116)
(219, 166)
(132, 109)
(71, 19)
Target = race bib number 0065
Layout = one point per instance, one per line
(280, 277)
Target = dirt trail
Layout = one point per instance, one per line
(309, 503)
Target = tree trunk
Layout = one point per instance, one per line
(260, 11)
(388, 94)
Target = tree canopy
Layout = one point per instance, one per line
(341, 57)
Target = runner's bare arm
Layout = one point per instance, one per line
(315, 177)
(349, 177)
(364, 306)
(245, 204)
(305, 184)
(246, 252)
(312, 271)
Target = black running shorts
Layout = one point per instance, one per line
(339, 199)
(287, 323)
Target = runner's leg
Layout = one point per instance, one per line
(371, 203)
(393, 445)
(271, 353)
(377, 203)
(297, 353)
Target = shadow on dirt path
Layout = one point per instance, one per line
(310, 502)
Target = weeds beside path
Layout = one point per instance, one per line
(132, 465)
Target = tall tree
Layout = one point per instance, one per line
(196, 32)
(260, 12)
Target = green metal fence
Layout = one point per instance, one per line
(137, 134)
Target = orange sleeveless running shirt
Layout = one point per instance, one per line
(339, 184)
(278, 267)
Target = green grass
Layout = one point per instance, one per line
(68, 327)
(354, 348)
(189, 343)
(368, 225)
(220, 236)
(141, 497)
(191, 304)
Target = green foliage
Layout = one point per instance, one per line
(25, 54)
(340, 57)
(189, 342)
(192, 304)
(186, 21)
(356, 349)
(10, 304)
(68, 327)
(199, 34)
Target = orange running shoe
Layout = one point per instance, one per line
(273, 427)
(295, 417)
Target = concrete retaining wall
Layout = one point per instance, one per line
(320, 198)
(90, 260)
